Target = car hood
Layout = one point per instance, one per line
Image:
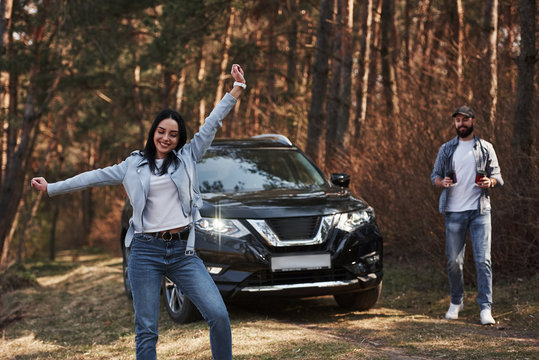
(280, 203)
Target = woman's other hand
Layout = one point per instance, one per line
(39, 183)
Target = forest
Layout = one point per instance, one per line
(365, 87)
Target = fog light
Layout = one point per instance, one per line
(214, 270)
(373, 259)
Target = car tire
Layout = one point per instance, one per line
(179, 307)
(127, 284)
(361, 301)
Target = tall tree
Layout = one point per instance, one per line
(389, 75)
(364, 69)
(292, 37)
(460, 46)
(319, 85)
(224, 57)
(338, 107)
(6, 10)
(489, 62)
(12, 186)
(524, 109)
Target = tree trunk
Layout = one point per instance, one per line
(201, 76)
(333, 101)
(406, 35)
(139, 107)
(224, 59)
(389, 77)
(489, 63)
(524, 109)
(272, 49)
(460, 47)
(52, 237)
(17, 163)
(364, 71)
(292, 37)
(319, 86)
(6, 11)
(180, 90)
(337, 137)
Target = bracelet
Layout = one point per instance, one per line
(237, 83)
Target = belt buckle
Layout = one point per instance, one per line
(167, 236)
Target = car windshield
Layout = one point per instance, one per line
(227, 170)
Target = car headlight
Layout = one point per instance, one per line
(219, 226)
(350, 221)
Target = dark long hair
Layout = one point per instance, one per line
(150, 150)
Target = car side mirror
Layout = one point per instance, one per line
(340, 179)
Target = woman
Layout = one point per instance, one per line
(162, 185)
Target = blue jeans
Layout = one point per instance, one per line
(150, 259)
(479, 227)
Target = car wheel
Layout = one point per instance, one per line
(361, 301)
(127, 284)
(179, 307)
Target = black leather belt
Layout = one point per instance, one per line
(168, 236)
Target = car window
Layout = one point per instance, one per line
(237, 170)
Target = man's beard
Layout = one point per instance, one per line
(464, 133)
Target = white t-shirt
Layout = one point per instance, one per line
(464, 195)
(163, 209)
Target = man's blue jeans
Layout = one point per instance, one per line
(150, 259)
(479, 227)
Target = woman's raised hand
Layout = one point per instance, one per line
(237, 73)
(39, 183)
(239, 81)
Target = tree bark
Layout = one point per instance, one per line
(201, 76)
(291, 57)
(524, 110)
(364, 70)
(180, 89)
(489, 63)
(139, 107)
(272, 49)
(6, 11)
(319, 86)
(224, 58)
(337, 137)
(460, 46)
(389, 77)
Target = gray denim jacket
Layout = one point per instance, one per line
(485, 161)
(134, 174)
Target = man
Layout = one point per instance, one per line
(466, 167)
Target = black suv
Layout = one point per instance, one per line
(273, 225)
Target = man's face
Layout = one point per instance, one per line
(464, 125)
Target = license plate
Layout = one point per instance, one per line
(301, 262)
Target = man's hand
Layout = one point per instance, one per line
(446, 182)
(486, 182)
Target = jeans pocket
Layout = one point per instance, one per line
(143, 238)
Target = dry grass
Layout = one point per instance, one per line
(79, 311)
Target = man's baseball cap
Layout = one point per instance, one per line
(464, 110)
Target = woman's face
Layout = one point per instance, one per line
(166, 137)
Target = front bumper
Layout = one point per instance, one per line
(245, 265)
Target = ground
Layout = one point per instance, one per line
(79, 311)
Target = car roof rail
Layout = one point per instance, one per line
(277, 137)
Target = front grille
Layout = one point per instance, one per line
(295, 228)
(269, 278)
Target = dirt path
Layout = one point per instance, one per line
(79, 311)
